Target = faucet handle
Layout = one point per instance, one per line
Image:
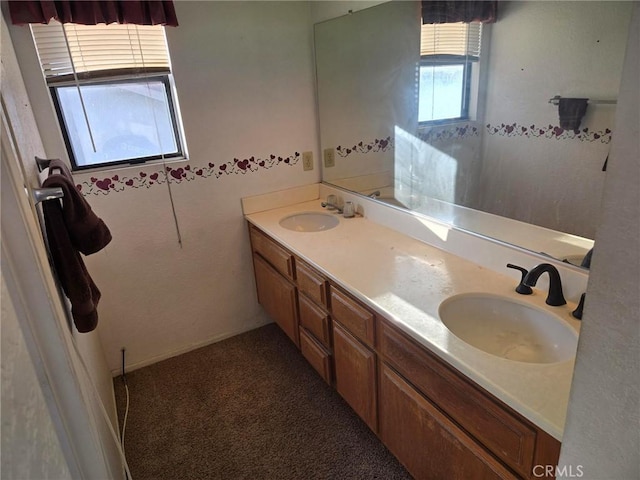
(577, 313)
(521, 288)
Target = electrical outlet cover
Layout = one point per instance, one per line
(329, 157)
(307, 161)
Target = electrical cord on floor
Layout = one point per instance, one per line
(104, 412)
(126, 411)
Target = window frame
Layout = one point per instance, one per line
(448, 60)
(165, 78)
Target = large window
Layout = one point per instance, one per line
(449, 53)
(112, 89)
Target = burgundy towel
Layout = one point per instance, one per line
(72, 227)
(88, 233)
(571, 111)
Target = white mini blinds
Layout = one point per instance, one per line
(460, 39)
(449, 71)
(96, 51)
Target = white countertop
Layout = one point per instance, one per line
(405, 280)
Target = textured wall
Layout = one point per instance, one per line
(602, 426)
(30, 447)
(244, 78)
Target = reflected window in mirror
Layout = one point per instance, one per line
(449, 63)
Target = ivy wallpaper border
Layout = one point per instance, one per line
(187, 173)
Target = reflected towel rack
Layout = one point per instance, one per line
(556, 100)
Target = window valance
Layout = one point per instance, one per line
(138, 12)
(451, 11)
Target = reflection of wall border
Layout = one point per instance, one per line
(549, 131)
(459, 132)
(118, 183)
(444, 134)
(378, 145)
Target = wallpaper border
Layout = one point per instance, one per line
(96, 185)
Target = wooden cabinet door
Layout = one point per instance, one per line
(355, 374)
(428, 444)
(278, 297)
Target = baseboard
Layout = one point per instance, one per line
(188, 348)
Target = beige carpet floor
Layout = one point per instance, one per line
(249, 407)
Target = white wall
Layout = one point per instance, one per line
(244, 78)
(539, 50)
(602, 432)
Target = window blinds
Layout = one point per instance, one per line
(99, 50)
(461, 39)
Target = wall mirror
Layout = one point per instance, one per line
(505, 169)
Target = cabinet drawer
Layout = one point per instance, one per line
(315, 320)
(317, 356)
(356, 318)
(273, 253)
(311, 283)
(502, 433)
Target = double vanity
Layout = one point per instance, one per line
(457, 374)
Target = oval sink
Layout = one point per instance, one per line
(309, 222)
(509, 329)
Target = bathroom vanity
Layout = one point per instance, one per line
(361, 303)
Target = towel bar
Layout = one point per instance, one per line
(556, 100)
(45, 194)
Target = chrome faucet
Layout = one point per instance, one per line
(555, 297)
(375, 194)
